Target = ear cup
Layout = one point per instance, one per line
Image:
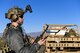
(15, 20)
(14, 17)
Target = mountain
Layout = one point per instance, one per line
(34, 34)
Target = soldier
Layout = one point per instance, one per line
(14, 35)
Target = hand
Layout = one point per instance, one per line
(42, 41)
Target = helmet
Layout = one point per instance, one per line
(14, 13)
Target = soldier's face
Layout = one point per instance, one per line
(20, 21)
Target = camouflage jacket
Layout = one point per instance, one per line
(15, 38)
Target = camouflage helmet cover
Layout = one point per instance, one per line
(14, 11)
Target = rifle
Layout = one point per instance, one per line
(41, 36)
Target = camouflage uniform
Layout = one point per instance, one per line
(14, 36)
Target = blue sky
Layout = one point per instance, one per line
(44, 12)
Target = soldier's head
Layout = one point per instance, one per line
(15, 14)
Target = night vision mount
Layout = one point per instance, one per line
(28, 8)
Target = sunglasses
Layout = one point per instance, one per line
(21, 16)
